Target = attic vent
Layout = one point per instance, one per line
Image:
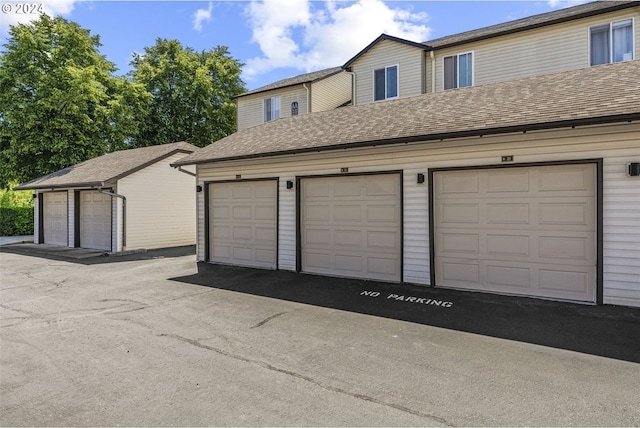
(294, 108)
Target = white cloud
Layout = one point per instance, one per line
(50, 7)
(308, 35)
(566, 3)
(201, 16)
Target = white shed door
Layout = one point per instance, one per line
(55, 221)
(528, 230)
(243, 223)
(351, 226)
(95, 220)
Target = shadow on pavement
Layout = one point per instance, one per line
(607, 331)
(92, 257)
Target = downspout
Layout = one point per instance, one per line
(124, 216)
(353, 86)
(179, 168)
(304, 85)
(433, 72)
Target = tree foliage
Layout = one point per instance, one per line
(192, 93)
(60, 102)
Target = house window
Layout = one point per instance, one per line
(294, 108)
(458, 71)
(611, 42)
(271, 109)
(385, 83)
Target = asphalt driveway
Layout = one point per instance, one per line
(155, 339)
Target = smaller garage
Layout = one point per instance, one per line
(125, 200)
(351, 226)
(55, 218)
(242, 223)
(95, 220)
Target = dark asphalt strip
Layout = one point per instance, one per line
(607, 331)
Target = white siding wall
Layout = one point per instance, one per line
(332, 92)
(36, 218)
(251, 107)
(410, 61)
(540, 51)
(160, 207)
(621, 230)
(71, 218)
(616, 144)
(117, 244)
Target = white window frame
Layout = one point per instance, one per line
(275, 100)
(386, 97)
(457, 77)
(610, 24)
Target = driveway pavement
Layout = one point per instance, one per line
(6, 240)
(155, 339)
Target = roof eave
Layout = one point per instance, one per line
(90, 184)
(431, 137)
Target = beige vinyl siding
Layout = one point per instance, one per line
(410, 61)
(160, 207)
(251, 107)
(540, 51)
(117, 223)
(332, 92)
(621, 230)
(36, 218)
(615, 144)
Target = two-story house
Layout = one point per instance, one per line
(503, 160)
(311, 92)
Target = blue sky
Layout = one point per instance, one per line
(275, 39)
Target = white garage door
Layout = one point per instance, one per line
(351, 226)
(95, 220)
(55, 221)
(243, 223)
(528, 231)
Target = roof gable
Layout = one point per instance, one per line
(602, 94)
(107, 169)
(379, 39)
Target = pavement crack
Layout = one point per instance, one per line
(266, 320)
(309, 379)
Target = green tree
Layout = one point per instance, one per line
(192, 93)
(60, 102)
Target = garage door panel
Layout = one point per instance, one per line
(508, 245)
(382, 213)
(459, 182)
(454, 213)
(243, 223)
(566, 247)
(573, 214)
(571, 179)
(452, 243)
(507, 181)
(347, 213)
(534, 238)
(504, 213)
(351, 226)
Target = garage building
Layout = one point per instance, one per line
(125, 200)
(526, 187)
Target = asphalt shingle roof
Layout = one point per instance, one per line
(107, 168)
(601, 94)
(295, 80)
(535, 21)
